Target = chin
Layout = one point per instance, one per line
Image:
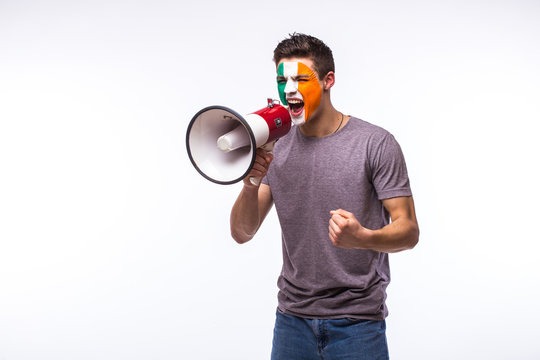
(299, 120)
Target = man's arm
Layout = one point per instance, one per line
(253, 203)
(401, 234)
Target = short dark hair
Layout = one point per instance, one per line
(306, 46)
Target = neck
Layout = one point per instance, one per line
(326, 121)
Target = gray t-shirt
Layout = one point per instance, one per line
(352, 169)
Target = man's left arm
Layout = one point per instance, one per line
(401, 234)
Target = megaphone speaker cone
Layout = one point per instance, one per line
(204, 130)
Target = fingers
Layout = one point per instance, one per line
(342, 213)
(332, 236)
(340, 218)
(262, 162)
(268, 157)
(338, 225)
(261, 165)
(334, 232)
(335, 226)
(333, 229)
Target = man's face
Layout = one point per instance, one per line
(299, 88)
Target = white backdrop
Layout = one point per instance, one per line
(113, 247)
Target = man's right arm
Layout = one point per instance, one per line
(253, 203)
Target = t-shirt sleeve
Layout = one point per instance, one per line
(389, 171)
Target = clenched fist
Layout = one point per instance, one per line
(345, 231)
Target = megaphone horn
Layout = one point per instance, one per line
(221, 144)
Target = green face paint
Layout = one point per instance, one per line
(281, 82)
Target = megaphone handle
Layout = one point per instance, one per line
(269, 147)
(255, 180)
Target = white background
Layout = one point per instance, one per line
(113, 247)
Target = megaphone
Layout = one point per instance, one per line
(222, 144)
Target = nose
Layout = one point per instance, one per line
(291, 87)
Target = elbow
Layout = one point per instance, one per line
(242, 234)
(414, 236)
(239, 237)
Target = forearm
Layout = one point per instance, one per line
(245, 215)
(399, 235)
(253, 202)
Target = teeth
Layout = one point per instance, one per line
(294, 101)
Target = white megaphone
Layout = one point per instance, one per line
(221, 144)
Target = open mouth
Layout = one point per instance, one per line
(296, 106)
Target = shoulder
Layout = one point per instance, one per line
(371, 133)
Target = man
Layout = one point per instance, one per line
(336, 181)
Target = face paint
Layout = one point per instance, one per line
(300, 89)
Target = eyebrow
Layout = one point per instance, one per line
(301, 76)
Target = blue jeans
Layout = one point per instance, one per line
(298, 338)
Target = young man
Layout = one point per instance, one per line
(336, 181)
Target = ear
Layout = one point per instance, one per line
(329, 80)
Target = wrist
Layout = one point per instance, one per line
(249, 187)
(367, 238)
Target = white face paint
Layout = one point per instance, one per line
(293, 96)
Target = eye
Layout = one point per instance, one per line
(302, 78)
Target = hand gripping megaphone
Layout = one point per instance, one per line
(221, 144)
